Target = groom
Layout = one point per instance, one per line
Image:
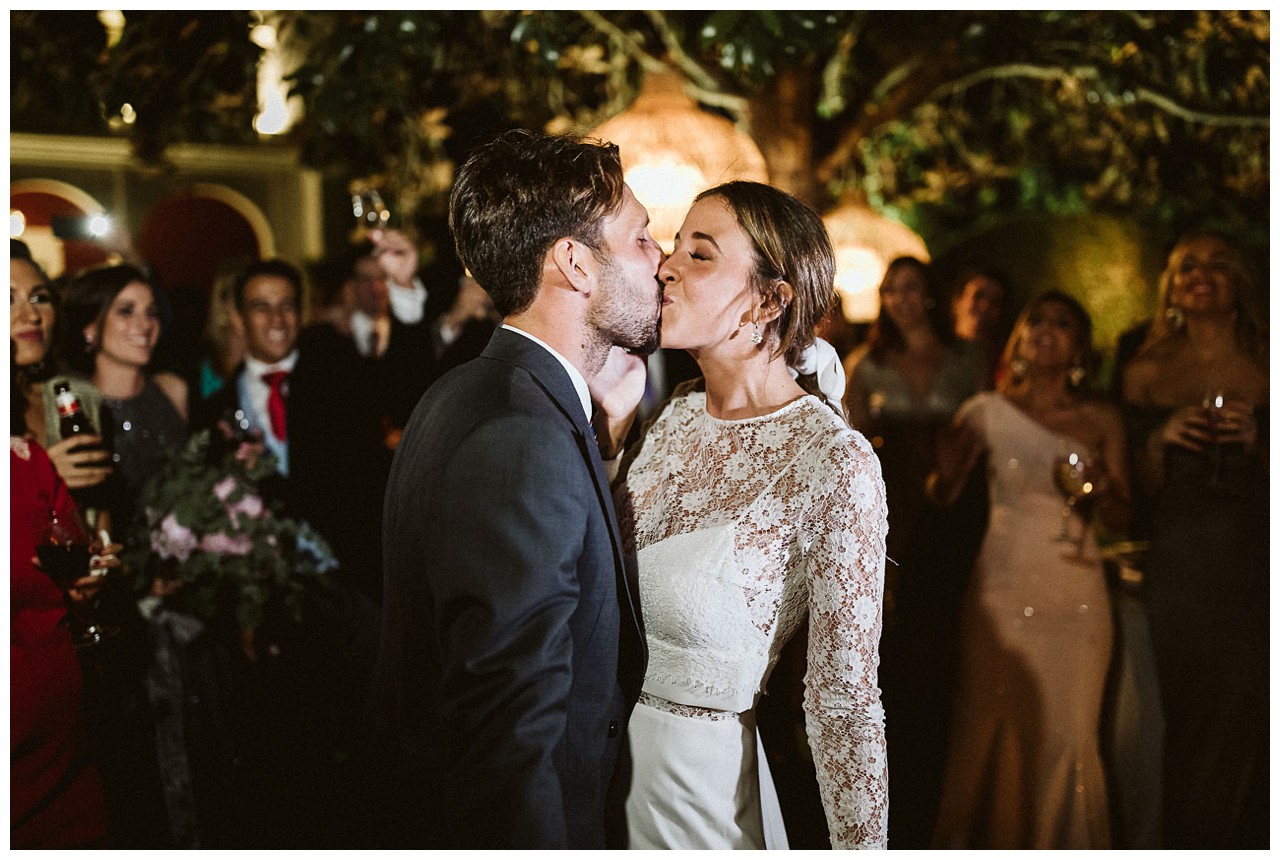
(512, 650)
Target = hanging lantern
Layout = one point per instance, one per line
(672, 150)
(865, 243)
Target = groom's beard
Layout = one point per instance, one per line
(629, 315)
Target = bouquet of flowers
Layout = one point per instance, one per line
(220, 549)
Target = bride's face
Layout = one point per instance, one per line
(707, 299)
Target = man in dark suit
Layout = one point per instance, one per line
(511, 649)
(267, 307)
(359, 380)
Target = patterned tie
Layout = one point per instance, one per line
(275, 380)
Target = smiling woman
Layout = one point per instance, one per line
(79, 460)
(1024, 767)
(112, 328)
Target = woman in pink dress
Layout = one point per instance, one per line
(1024, 768)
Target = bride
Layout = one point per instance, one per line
(749, 503)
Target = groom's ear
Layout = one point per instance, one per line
(575, 262)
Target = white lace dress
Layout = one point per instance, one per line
(741, 528)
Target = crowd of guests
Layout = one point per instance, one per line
(998, 647)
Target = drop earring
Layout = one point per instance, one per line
(1018, 369)
(1076, 375)
(756, 337)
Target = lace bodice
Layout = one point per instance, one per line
(741, 528)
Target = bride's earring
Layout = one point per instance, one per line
(756, 337)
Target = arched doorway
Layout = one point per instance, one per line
(40, 201)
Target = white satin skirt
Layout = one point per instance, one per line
(699, 784)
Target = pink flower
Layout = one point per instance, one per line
(221, 543)
(173, 540)
(250, 506)
(223, 488)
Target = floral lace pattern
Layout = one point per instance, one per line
(785, 514)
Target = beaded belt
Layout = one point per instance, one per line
(692, 711)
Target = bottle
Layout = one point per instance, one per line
(71, 414)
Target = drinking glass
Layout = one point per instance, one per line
(65, 556)
(1076, 476)
(369, 210)
(1212, 404)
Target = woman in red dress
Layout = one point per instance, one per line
(55, 798)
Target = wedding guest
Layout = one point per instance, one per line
(56, 796)
(511, 647)
(113, 324)
(750, 505)
(980, 303)
(905, 383)
(349, 402)
(223, 339)
(1197, 396)
(1024, 767)
(82, 461)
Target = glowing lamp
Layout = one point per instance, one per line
(865, 243)
(672, 149)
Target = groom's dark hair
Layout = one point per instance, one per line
(519, 194)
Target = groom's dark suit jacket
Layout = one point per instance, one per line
(512, 650)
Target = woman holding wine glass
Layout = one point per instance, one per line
(113, 325)
(1024, 768)
(56, 798)
(1196, 400)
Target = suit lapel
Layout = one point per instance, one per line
(551, 376)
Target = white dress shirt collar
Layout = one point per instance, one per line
(362, 325)
(257, 368)
(578, 380)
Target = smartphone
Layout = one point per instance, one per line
(88, 227)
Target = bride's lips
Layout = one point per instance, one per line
(35, 335)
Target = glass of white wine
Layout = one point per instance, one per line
(1076, 477)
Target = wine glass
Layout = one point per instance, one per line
(1075, 476)
(369, 210)
(65, 557)
(1212, 404)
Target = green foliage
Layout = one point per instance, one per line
(185, 76)
(1161, 115)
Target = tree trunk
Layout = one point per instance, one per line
(782, 118)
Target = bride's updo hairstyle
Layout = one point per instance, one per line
(791, 246)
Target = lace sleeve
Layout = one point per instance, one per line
(843, 714)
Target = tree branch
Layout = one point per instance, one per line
(849, 141)
(704, 88)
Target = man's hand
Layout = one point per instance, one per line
(397, 256)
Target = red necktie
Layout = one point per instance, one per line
(275, 402)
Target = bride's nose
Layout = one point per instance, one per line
(665, 272)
